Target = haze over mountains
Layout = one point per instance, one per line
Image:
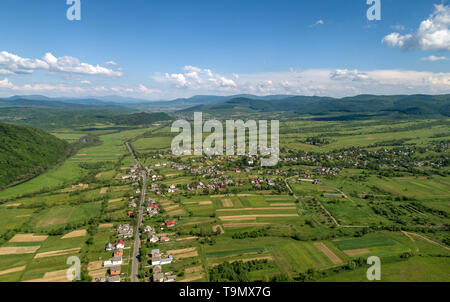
(417, 105)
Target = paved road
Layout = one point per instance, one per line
(137, 242)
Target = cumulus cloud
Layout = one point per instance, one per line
(142, 88)
(198, 78)
(435, 58)
(432, 34)
(14, 64)
(345, 74)
(73, 65)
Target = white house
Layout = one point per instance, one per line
(113, 261)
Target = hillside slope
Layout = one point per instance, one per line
(407, 105)
(26, 152)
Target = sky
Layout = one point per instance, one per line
(159, 50)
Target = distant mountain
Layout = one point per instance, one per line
(38, 101)
(26, 152)
(418, 105)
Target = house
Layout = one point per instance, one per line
(166, 260)
(153, 239)
(115, 270)
(158, 277)
(130, 213)
(170, 223)
(156, 260)
(118, 253)
(164, 239)
(113, 261)
(114, 279)
(125, 231)
(156, 253)
(119, 244)
(109, 247)
(171, 278)
(157, 269)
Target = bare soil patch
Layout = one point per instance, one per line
(243, 225)
(253, 217)
(103, 190)
(96, 265)
(18, 250)
(193, 278)
(105, 225)
(115, 200)
(176, 212)
(13, 270)
(181, 251)
(256, 209)
(28, 238)
(357, 252)
(13, 205)
(332, 256)
(78, 233)
(218, 227)
(57, 253)
(56, 276)
(204, 203)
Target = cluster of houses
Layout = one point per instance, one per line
(152, 208)
(157, 262)
(258, 182)
(114, 263)
(313, 181)
(132, 175)
(124, 231)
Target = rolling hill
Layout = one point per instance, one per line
(26, 152)
(346, 108)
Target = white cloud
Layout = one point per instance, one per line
(318, 22)
(13, 64)
(435, 58)
(142, 88)
(177, 78)
(73, 65)
(432, 34)
(321, 82)
(5, 83)
(345, 74)
(199, 79)
(86, 82)
(110, 63)
(18, 65)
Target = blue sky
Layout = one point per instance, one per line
(167, 49)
